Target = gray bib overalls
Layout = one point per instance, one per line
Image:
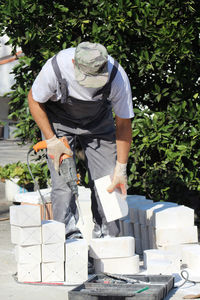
(92, 123)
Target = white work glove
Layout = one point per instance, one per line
(119, 179)
(55, 148)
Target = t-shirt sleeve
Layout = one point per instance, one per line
(45, 84)
(121, 95)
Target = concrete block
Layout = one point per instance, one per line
(123, 265)
(137, 230)
(170, 236)
(164, 267)
(181, 215)
(151, 234)
(138, 246)
(29, 272)
(25, 215)
(112, 247)
(28, 254)
(26, 236)
(128, 228)
(53, 252)
(134, 207)
(53, 271)
(186, 250)
(53, 232)
(161, 255)
(144, 237)
(114, 204)
(191, 257)
(76, 261)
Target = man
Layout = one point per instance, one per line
(73, 96)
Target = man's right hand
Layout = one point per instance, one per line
(55, 148)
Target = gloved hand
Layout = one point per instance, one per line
(55, 148)
(119, 179)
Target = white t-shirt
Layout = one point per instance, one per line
(46, 85)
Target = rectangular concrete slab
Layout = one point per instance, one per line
(29, 272)
(53, 252)
(53, 272)
(28, 254)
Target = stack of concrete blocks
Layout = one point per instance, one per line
(41, 252)
(27, 236)
(114, 255)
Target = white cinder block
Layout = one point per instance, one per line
(25, 215)
(163, 267)
(29, 272)
(53, 232)
(128, 228)
(144, 237)
(123, 265)
(175, 216)
(26, 236)
(76, 261)
(114, 204)
(112, 247)
(28, 254)
(53, 271)
(161, 255)
(172, 236)
(138, 246)
(191, 257)
(53, 252)
(134, 207)
(186, 250)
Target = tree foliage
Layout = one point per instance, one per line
(157, 42)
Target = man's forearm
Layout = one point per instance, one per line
(123, 139)
(39, 114)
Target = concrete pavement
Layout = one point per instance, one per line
(9, 288)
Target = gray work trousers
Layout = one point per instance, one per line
(100, 153)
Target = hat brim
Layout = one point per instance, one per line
(91, 81)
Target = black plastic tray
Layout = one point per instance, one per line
(158, 286)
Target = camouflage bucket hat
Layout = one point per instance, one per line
(91, 68)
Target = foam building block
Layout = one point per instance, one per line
(76, 261)
(25, 215)
(26, 236)
(53, 252)
(29, 272)
(53, 271)
(112, 247)
(177, 235)
(123, 265)
(53, 232)
(28, 254)
(161, 255)
(114, 205)
(175, 216)
(191, 257)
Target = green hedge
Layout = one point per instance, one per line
(157, 43)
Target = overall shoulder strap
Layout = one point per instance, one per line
(105, 90)
(62, 82)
